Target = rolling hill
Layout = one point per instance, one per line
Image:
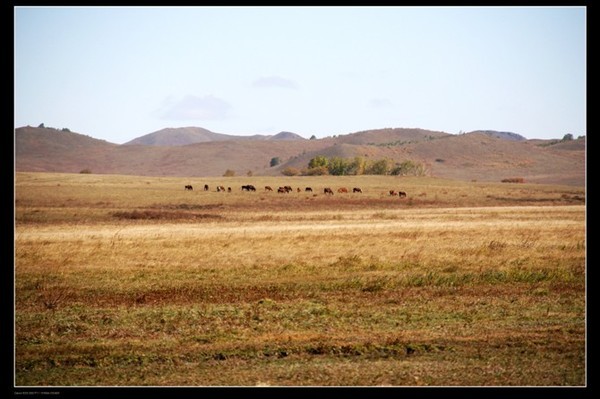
(192, 135)
(481, 155)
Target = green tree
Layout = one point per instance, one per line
(313, 137)
(379, 167)
(408, 168)
(318, 161)
(357, 166)
(275, 161)
(338, 166)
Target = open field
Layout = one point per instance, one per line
(134, 281)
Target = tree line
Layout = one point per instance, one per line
(337, 166)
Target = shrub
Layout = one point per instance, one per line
(289, 171)
(229, 173)
(317, 171)
(513, 180)
(86, 171)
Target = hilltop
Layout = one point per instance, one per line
(191, 135)
(480, 155)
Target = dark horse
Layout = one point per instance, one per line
(188, 187)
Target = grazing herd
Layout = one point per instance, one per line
(289, 189)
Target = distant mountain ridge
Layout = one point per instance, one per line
(191, 135)
(480, 155)
(502, 135)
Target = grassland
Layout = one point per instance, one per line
(133, 281)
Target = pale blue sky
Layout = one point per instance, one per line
(117, 73)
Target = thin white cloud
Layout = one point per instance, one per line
(274, 81)
(380, 103)
(192, 107)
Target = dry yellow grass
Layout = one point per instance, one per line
(294, 290)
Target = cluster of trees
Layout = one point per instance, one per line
(64, 129)
(321, 165)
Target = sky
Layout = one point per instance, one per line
(117, 73)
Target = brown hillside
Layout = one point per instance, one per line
(48, 149)
(191, 135)
(390, 136)
(569, 145)
(179, 136)
(466, 157)
(476, 156)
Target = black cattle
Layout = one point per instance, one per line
(188, 187)
(288, 188)
(228, 189)
(401, 194)
(248, 187)
(206, 187)
(282, 190)
(308, 189)
(327, 190)
(356, 190)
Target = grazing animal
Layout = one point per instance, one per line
(298, 189)
(282, 190)
(188, 187)
(327, 190)
(342, 190)
(268, 188)
(308, 189)
(288, 188)
(206, 187)
(401, 194)
(228, 189)
(392, 192)
(220, 188)
(356, 190)
(248, 187)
